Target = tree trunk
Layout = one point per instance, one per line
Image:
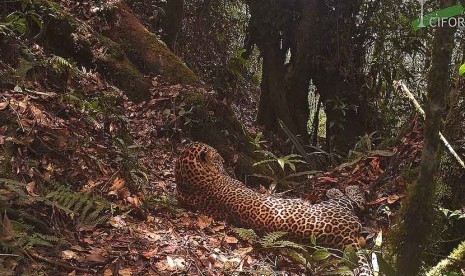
(172, 22)
(338, 75)
(149, 54)
(418, 213)
(452, 173)
(124, 62)
(273, 102)
(320, 37)
(298, 77)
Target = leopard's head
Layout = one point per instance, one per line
(353, 192)
(197, 160)
(357, 195)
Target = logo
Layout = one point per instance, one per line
(440, 18)
(422, 5)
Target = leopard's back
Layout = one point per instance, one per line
(204, 185)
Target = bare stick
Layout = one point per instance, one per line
(417, 105)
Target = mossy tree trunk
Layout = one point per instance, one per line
(144, 49)
(452, 173)
(126, 60)
(417, 215)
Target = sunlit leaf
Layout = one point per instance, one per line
(320, 254)
(379, 239)
(462, 69)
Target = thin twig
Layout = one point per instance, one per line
(417, 105)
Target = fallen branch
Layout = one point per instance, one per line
(403, 87)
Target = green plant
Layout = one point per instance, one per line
(316, 259)
(291, 160)
(62, 65)
(282, 178)
(17, 236)
(168, 203)
(462, 70)
(127, 157)
(257, 141)
(452, 214)
(89, 209)
(21, 22)
(182, 114)
(365, 146)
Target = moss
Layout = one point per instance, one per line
(8, 149)
(62, 34)
(120, 69)
(67, 37)
(448, 264)
(149, 54)
(410, 175)
(194, 99)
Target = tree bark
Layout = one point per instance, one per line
(124, 61)
(149, 54)
(453, 174)
(172, 22)
(418, 213)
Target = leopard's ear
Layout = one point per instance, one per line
(203, 155)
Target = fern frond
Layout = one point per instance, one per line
(246, 234)
(271, 239)
(290, 244)
(296, 256)
(39, 239)
(91, 210)
(61, 64)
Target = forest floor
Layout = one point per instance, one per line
(159, 238)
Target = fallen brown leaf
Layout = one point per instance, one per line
(6, 229)
(117, 185)
(230, 240)
(125, 272)
(377, 201)
(3, 105)
(117, 222)
(150, 254)
(244, 251)
(96, 255)
(204, 221)
(31, 188)
(393, 198)
(69, 255)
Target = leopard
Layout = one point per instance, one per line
(203, 184)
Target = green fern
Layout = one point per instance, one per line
(16, 235)
(274, 240)
(297, 257)
(39, 239)
(61, 65)
(320, 261)
(167, 203)
(246, 234)
(271, 238)
(91, 210)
